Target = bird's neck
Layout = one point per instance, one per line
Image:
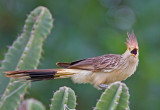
(127, 55)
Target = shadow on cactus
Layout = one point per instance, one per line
(25, 54)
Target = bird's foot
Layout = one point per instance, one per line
(103, 86)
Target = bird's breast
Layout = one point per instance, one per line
(126, 69)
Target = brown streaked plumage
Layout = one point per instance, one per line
(93, 64)
(99, 70)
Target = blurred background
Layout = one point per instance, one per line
(88, 28)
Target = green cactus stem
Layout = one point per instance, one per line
(25, 53)
(63, 99)
(114, 98)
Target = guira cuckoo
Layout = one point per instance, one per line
(98, 71)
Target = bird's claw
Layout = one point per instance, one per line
(103, 86)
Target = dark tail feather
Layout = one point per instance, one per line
(34, 75)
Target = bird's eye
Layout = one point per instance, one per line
(129, 49)
(134, 51)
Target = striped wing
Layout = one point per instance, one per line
(107, 62)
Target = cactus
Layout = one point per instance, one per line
(114, 98)
(31, 104)
(25, 53)
(63, 99)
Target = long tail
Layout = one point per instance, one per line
(40, 74)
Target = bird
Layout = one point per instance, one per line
(98, 71)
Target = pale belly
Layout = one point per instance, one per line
(97, 78)
(107, 78)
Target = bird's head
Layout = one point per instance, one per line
(132, 44)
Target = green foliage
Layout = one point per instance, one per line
(25, 53)
(31, 104)
(63, 99)
(114, 98)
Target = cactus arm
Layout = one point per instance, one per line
(114, 98)
(63, 99)
(25, 53)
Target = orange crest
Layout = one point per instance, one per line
(132, 41)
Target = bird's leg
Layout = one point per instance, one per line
(103, 86)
